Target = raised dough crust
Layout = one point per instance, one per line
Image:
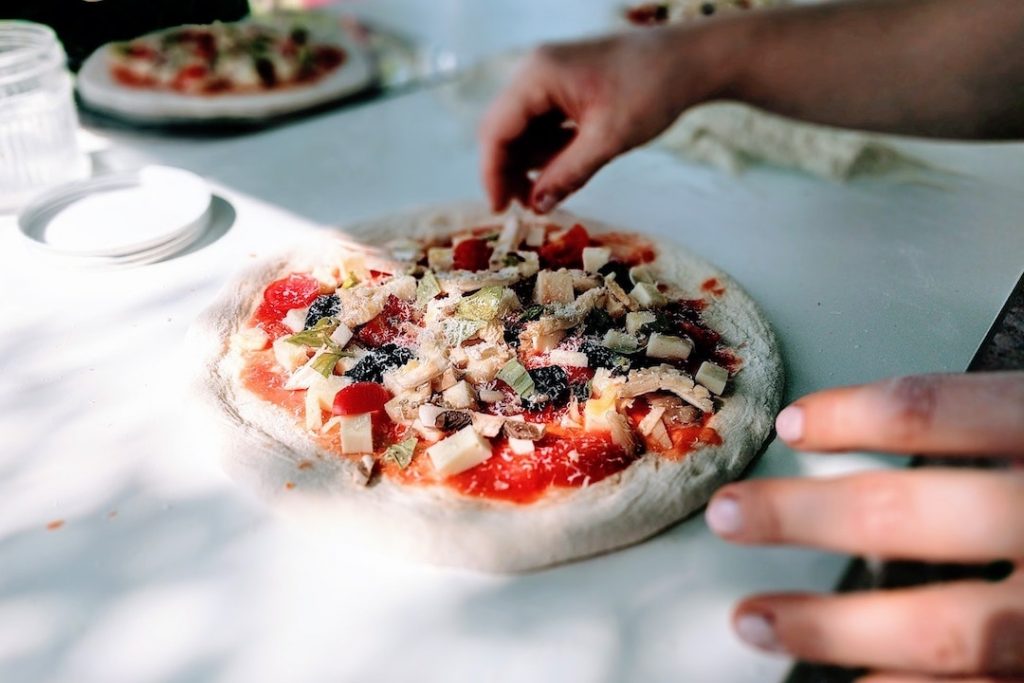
(100, 91)
(436, 524)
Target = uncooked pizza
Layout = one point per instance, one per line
(250, 69)
(671, 11)
(495, 392)
(224, 58)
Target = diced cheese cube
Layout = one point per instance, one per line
(303, 377)
(428, 414)
(619, 341)
(402, 286)
(295, 319)
(486, 424)
(520, 446)
(491, 395)
(594, 258)
(459, 395)
(460, 451)
(289, 356)
(712, 376)
(440, 258)
(637, 319)
(356, 433)
(646, 294)
(653, 416)
(535, 235)
(569, 359)
(341, 336)
(251, 339)
(547, 342)
(638, 274)
(325, 389)
(596, 412)
(668, 347)
(314, 415)
(554, 287)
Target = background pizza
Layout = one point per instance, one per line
(500, 393)
(251, 69)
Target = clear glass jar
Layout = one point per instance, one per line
(38, 122)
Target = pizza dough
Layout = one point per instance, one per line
(267, 452)
(102, 92)
(732, 136)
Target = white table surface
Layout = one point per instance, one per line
(165, 571)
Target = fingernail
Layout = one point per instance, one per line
(724, 516)
(545, 202)
(789, 425)
(759, 631)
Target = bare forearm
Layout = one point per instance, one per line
(947, 68)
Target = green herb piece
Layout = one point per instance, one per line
(516, 376)
(316, 336)
(620, 342)
(427, 288)
(350, 281)
(487, 304)
(662, 323)
(325, 362)
(531, 313)
(401, 452)
(513, 259)
(458, 330)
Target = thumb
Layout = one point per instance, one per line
(567, 172)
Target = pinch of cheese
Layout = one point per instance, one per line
(648, 295)
(554, 287)
(459, 395)
(637, 319)
(402, 286)
(570, 359)
(295, 319)
(289, 356)
(440, 258)
(712, 376)
(459, 452)
(594, 258)
(356, 433)
(668, 347)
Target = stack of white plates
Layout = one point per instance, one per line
(119, 219)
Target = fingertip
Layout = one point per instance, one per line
(724, 515)
(789, 424)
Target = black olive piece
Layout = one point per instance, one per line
(621, 272)
(600, 356)
(324, 306)
(707, 9)
(581, 390)
(598, 322)
(299, 36)
(372, 366)
(524, 288)
(552, 382)
(265, 70)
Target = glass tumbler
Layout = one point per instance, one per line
(38, 123)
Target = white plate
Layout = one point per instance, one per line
(101, 92)
(120, 216)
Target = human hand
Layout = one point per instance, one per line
(571, 108)
(962, 629)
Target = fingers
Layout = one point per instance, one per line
(935, 515)
(980, 413)
(959, 629)
(593, 147)
(505, 124)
